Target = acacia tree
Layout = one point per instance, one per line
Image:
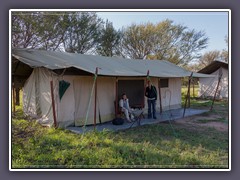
(52, 30)
(137, 41)
(109, 41)
(38, 30)
(83, 32)
(164, 41)
(25, 31)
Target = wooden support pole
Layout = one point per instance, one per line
(148, 78)
(219, 79)
(193, 88)
(160, 98)
(95, 100)
(13, 100)
(53, 105)
(116, 99)
(17, 90)
(188, 94)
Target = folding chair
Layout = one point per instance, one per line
(138, 116)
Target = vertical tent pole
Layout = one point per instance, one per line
(95, 100)
(116, 98)
(148, 74)
(193, 87)
(219, 79)
(17, 90)
(16, 99)
(160, 98)
(53, 105)
(188, 94)
(13, 99)
(147, 81)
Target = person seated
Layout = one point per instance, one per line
(124, 105)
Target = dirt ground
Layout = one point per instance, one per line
(209, 120)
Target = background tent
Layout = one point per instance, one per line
(208, 86)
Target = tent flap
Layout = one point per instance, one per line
(63, 85)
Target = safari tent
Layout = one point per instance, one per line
(218, 84)
(68, 89)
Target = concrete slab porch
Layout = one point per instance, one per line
(170, 115)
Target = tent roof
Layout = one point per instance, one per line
(213, 66)
(107, 66)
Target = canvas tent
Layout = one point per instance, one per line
(90, 96)
(208, 86)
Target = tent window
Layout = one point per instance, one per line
(164, 83)
(134, 90)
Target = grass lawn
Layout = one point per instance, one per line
(148, 146)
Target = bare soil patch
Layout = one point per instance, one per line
(211, 120)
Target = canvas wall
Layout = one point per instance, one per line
(37, 96)
(75, 108)
(170, 96)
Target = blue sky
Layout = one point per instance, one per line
(214, 24)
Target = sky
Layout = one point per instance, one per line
(213, 23)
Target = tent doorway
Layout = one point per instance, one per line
(134, 90)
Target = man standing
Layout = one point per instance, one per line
(151, 94)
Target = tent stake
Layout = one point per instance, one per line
(95, 100)
(53, 105)
(219, 79)
(160, 99)
(188, 94)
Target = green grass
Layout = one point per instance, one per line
(152, 146)
(149, 146)
(201, 103)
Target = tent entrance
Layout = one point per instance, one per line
(134, 90)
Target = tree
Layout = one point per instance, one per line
(137, 41)
(224, 54)
(108, 41)
(211, 56)
(38, 30)
(52, 29)
(164, 41)
(83, 32)
(208, 57)
(25, 30)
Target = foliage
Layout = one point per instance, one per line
(37, 30)
(209, 57)
(83, 32)
(74, 31)
(137, 41)
(164, 41)
(108, 41)
(225, 54)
